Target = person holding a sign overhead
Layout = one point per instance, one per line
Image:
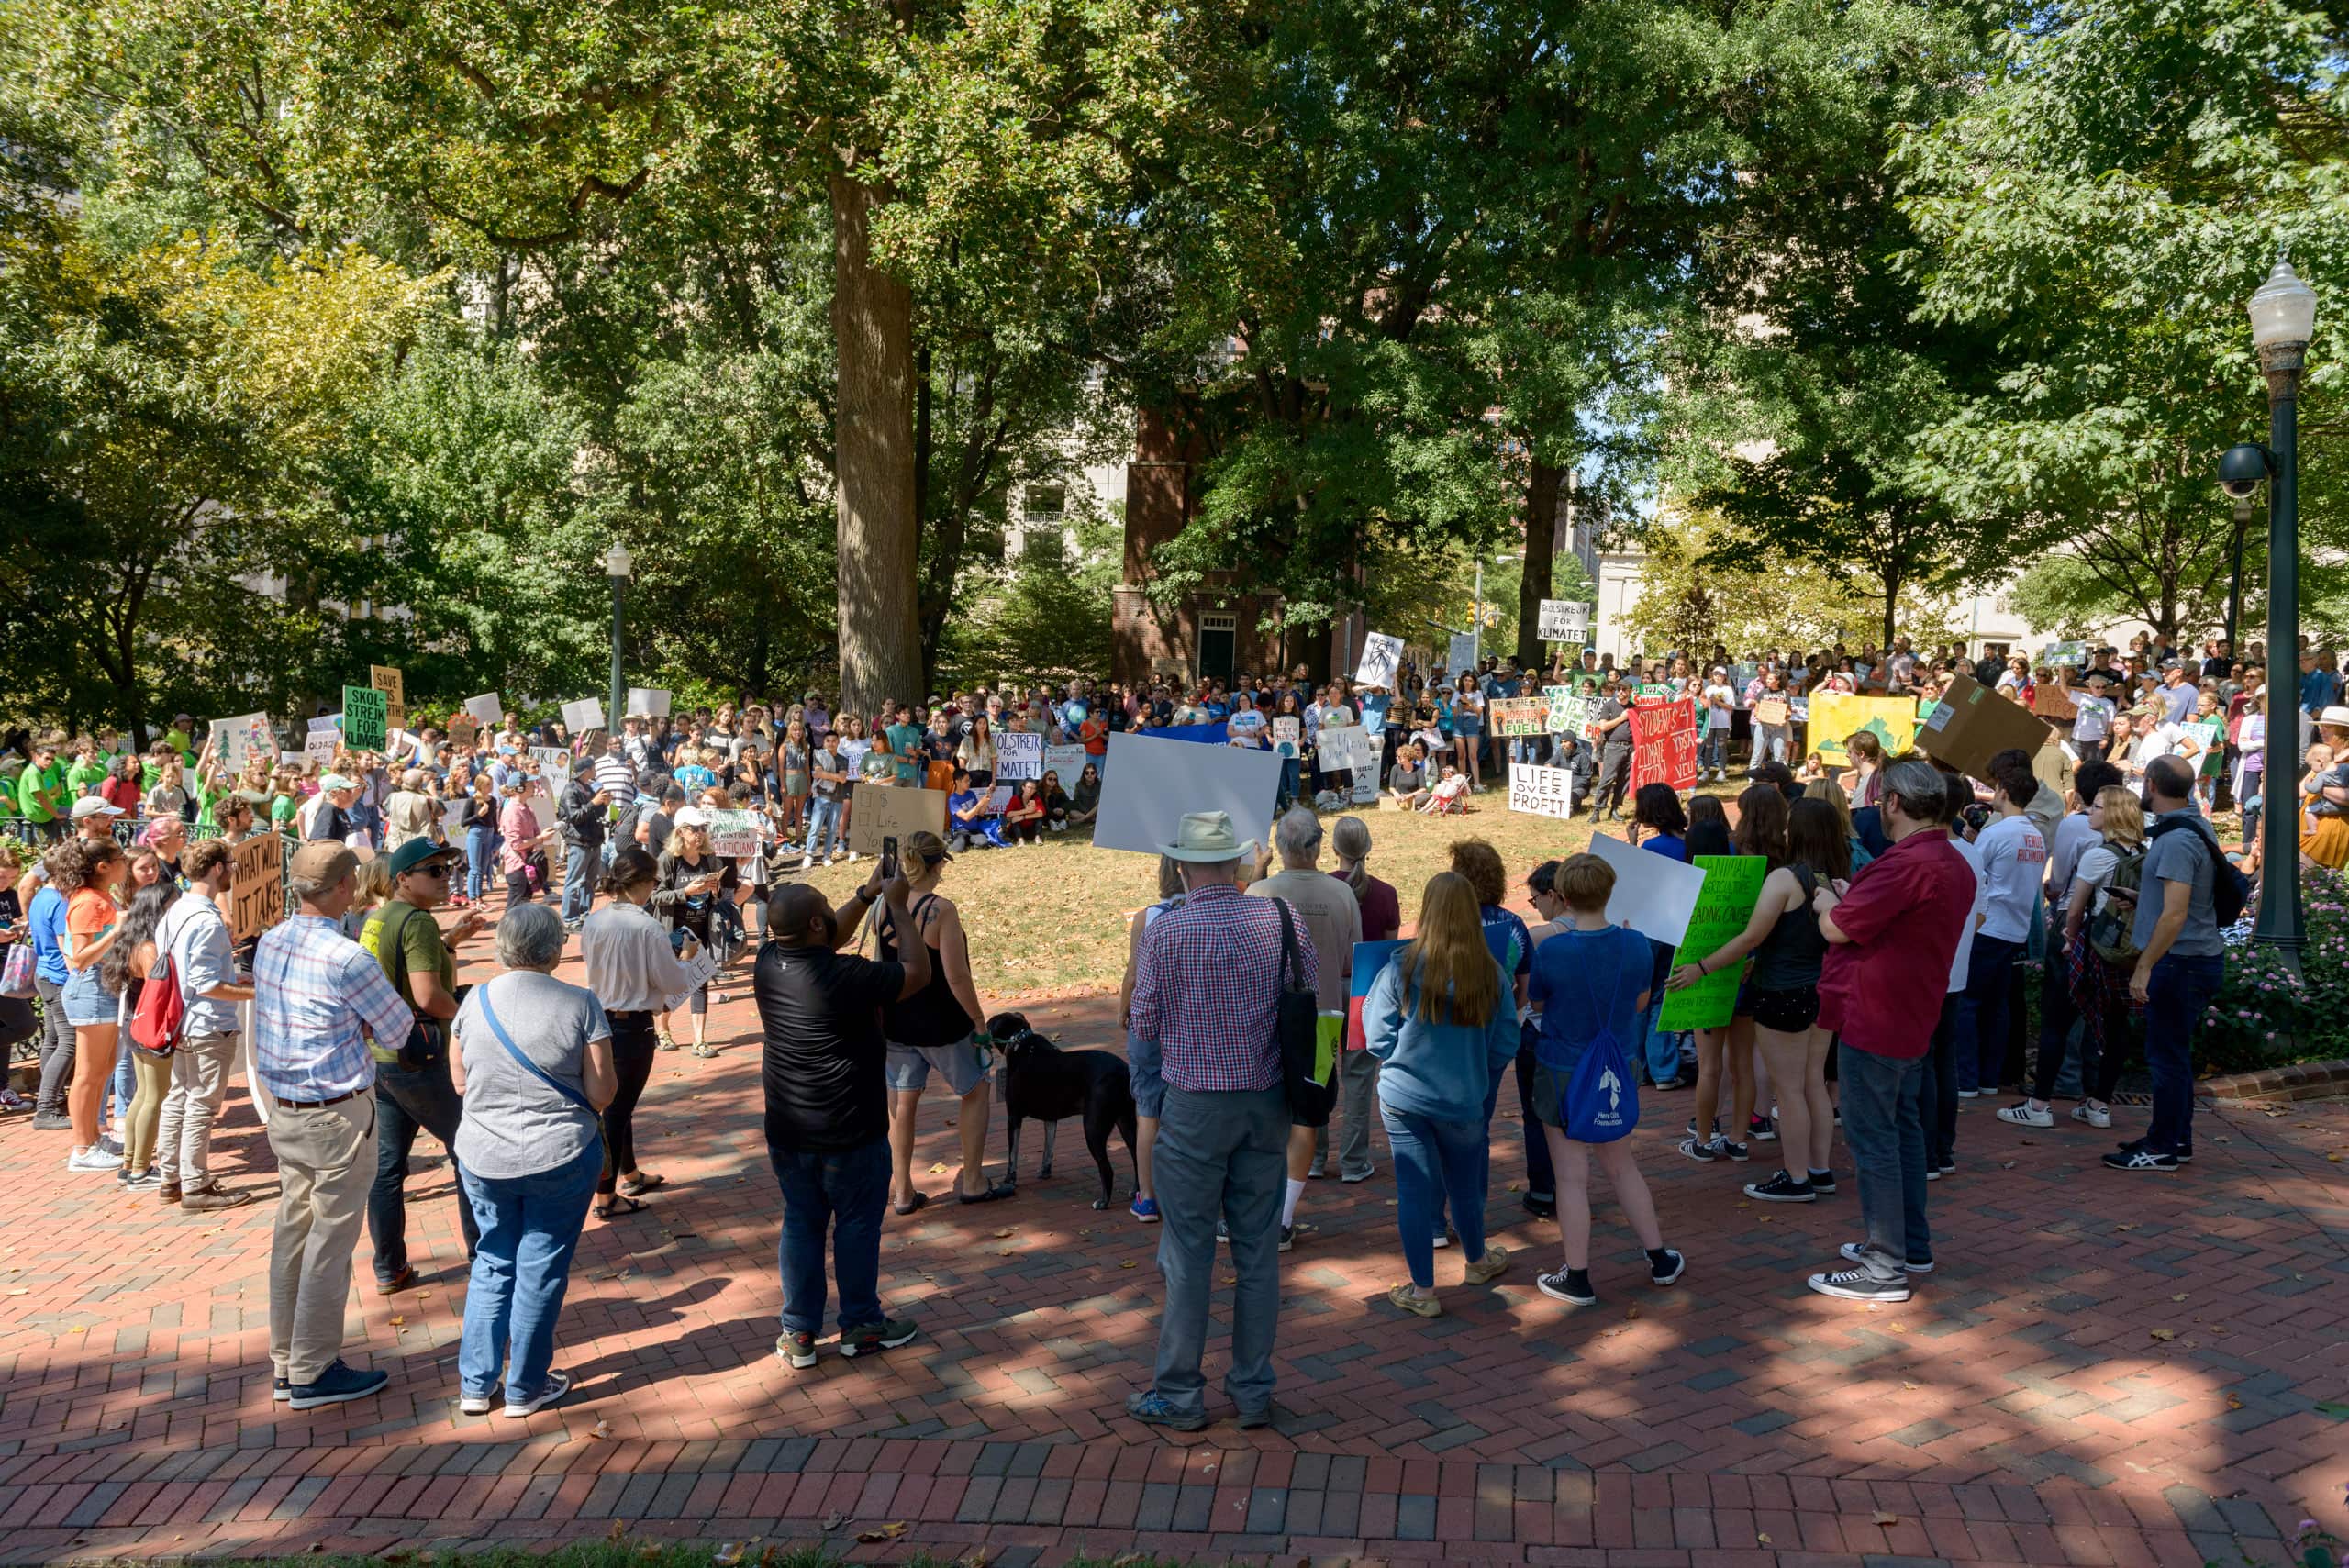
(690, 884)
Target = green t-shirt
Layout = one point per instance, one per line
(83, 778)
(419, 944)
(912, 760)
(30, 783)
(282, 808)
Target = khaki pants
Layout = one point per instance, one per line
(326, 1162)
(199, 1088)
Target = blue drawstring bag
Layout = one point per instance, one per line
(1601, 1102)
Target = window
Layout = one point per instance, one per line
(1044, 533)
(1219, 646)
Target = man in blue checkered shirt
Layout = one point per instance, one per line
(316, 997)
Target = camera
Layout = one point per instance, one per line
(889, 858)
(2242, 470)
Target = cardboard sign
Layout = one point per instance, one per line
(1724, 908)
(1541, 792)
(1067, 762)
(318, 747)
(385, 679)
(647, 701)
(257, 887)
(896, 811)
(1655, 895)
(1288, 735)
(734, 834)
(1460, 655)
(248, 735)
(463, 729)
(1837, 716)
(1570, 713)
(2049, 700)
(1152, 781)
(1345, 746)
(1381, 656)
(1664, 745)
(2065, 655)
(485, 708)
(1018, 755)
(700, 970)
(1564, 620)
(366, 718)
(1771, 710)
(583, 716)
(1520, 716)
(1975, 724)
(1370, 960)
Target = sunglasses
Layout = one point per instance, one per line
(437, 870)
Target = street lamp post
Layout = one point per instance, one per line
(616, 567)
(2283, 319)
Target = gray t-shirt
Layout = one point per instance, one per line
(2182, 854)
(514, 1124)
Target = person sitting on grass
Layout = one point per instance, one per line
(1023, 817)
(972, 822)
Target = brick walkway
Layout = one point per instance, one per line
(2104, 1370)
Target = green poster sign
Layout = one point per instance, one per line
(1724, 908)
(366, 719)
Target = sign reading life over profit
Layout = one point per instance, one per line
(257, 886)
(1381, 656)
(1543, 791)
(1151, 782)
(1664, 745)
(1564, 620)
(1018, 755)
(366, 718)
(1724, 908)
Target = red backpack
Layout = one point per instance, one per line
(161, 1020)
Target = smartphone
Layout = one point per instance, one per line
(889, 858)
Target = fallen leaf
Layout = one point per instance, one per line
(399, 1323)
(1632, 1311)
(938, 1170)
(1001, 1234)
(1006, 1252)
(886, 1532)
(1912, 1387)
(2234, 1401)
(727, 1555)
(2006, 1164)
(1900, 1328)
(2124, 1227)
(979, 1558)
(600, 1429)
(1129, 1264)
(834, 1521)
(619, 1530)
(2179, 1296)
(2334, 1410)
(2165, 1334)
(1761, 1539)
(1232, 1279)
(1888, 1520)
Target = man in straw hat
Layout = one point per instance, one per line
(1206, 988)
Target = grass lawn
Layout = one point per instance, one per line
(1049, 921)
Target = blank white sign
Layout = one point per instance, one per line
(1151, 782)
(1655, 894)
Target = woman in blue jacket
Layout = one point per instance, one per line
(1442, 1020)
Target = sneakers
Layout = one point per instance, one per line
(875, 1338)
(53, 1121)
(1152, 1408)
(1858, 1284)
(1570, 1285)
(556, 1385)
(1969, 1094)
(1782, 1188)
(475, 1403)
(797, 1350)
(2094, 1115)
(281, 1390)
(1704, 1154)
(145, 1181)
(1822, 1183)
(1762, 1130)
(1490, 1267)
(2140, 1158)
(1852, 1253)
(1412, 1302)
(1146, 1209)
(1446, 1240)
(1540, 1207)
(1291, 1234)
(2027, 1115)
(93, 1160)
(1667, 1269)
(339, 1384)
(1367, 1173)
(1724, 1150)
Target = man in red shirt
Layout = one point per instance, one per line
(1902, 917)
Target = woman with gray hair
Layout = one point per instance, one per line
(412, 812)
(534, 1063)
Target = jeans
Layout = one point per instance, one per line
(633, 1043)
(529, 1228)
(478, 851)
(409, 1102)
(1227, 1154)
(1883, 1124)
(579, 863)
(844, 1191)
(2059, 1013)
(1291, 770)
(1529, 748)
(1614, 779)
(1937, 1106)
(823, 825)
(56, 1048)
(1541, 1179)
(2175, 995)
(1980, 1044)
(1357, 1088)
(1435, 1157)
(1712, 751)
(1770, 743)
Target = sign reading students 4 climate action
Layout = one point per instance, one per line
(1664, 745)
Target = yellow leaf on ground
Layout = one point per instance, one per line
(2165, 1334)
(886, 1532)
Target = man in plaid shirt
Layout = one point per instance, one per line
(317, 995)
(1206, 988)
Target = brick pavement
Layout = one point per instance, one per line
(2104, 1370)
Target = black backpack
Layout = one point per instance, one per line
(2230, 889)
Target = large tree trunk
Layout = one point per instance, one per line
(880, 634)
(1541, 556)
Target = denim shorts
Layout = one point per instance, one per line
(87, 1001)
(961, 1063)
(1143, 1067)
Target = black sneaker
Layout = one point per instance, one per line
(1725, 1150)
(1823, 1182)
(1852, 1253)
(1703, 1153)
(1692, 1127)
(875, 1338)
(339, 1384)
(1540, 1207)
(1291, 1234)
(1782, 1188)
(1858, 1284)
(2140, 1160)
(1562, 1287)
(281, 1390)
(798, 1350)
(1762, 1130)
(1669, 1270)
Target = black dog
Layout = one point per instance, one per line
(1043, 1082)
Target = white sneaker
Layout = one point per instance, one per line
(852, 857)
(475, 1403)
(2092, 1115)
(91, 1159)
(807, 860)
(2027, 1115)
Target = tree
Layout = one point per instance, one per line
(1697, 591)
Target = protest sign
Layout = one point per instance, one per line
(583, 716)
(1460, 656)
(554, 763)
(1370, 958)
(318, 746)
(257, 886)
(1664, 745)
(385, 679)
(463, 729)
(2065, 655)
(366, 718)
(700, 970)
(453, 818)
(1724, 908)
(1651, 692)
(1345, 746)
(1151, 782)
(734, 833)
(1836, 716)
(1018, 755)
(1288, 735)
(1570, 713)
(1974, 724)
(1541, 792)
(485, 708)
(1520, 716)
(2049, 700)
(1381, 656)
(1564, 620)
(1067, 761)
(1655, 895)
(1771, 710)
(648, 702)
(248, 734)
(1742, 676)
(894, 812)
(326, 721)
(1366, 791)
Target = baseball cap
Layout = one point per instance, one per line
(692, 817)
(336, 781)
(584, 765)
(323, 864)
(415, 852)
(94, 806)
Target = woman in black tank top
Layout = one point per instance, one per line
(938, 1028)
